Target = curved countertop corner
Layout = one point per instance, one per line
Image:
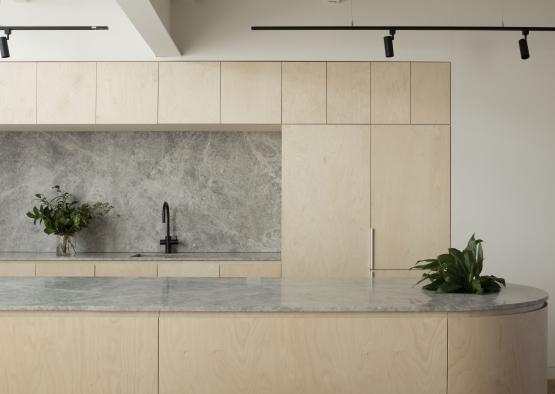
(249, 295)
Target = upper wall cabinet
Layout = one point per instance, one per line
(189, 92)
(348, 95)
(431, 93)
(66, 93)
(326, 200)
(410, 194)
(18, 87)
(304, 92)
(127, 92)
(390, 97)
(251, 92)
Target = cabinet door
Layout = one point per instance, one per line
(348, 92)
(127, 269)
(410, 194)
(251, 92)
(304, 92)
(18, 88)
(325, 201)
(69, 268)
(189, 92)
(127, 92)
(430, 93)
(390, 98)
(66, 92)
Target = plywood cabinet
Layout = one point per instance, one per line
(127, 92)
(126, 269)
(410, 194)
(18, 89)
(348, 92)
(390, 93)
(326, 201)
(303, 353)
(498, 354)
(16, 268)
(250, 269)
(430, 93)
(251, 92)
(69, 353)
(66, 92)
(189, 92)
(304, 92)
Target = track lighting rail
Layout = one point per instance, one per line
(14, 28)
(410, 28)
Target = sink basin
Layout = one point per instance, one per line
(210, 256)
(164, 255)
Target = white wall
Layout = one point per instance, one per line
(503, 134)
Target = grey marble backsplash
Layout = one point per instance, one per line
(223, 188)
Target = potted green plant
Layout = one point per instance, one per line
(459, 271)
(64, 216)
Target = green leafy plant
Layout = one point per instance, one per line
(63, 214)
(459, 271)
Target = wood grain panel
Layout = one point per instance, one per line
(18, 93)
(307, 353)
(245, 269)
(141, 269)
(348, 94)
(251, 92)
(189, 92)
(431, 93)
(325, 201)
(304, 92)
(16, 268)
(390, 93)
(127, 92)
(66, 92)
(410, 194)
(503, 354)
(85, 353)
(69, 268)
(189, 269)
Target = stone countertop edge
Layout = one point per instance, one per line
(151, 257)
(243, 295)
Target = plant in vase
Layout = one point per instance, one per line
(459, 271)
(64, 216)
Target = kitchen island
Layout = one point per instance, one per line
(211, 335)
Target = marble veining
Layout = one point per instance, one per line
(214, 256)
(249, 295)
(224, 188)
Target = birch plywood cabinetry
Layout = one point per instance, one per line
(189, 92)
(498, 354)
(70, 268)
(410, 194)
(304, 92)
(348, 92)
(390, 93)
(251, 92)
(127, 92)
(18, 88)
(325, 201)
(66, 92)
(430, 93)
(304, 353)
(69, 353)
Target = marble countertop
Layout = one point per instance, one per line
(197, 256)
(248, 295)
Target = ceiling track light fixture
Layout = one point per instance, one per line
(5, 51)
(388, 40)
(523, 45)
(388, 43)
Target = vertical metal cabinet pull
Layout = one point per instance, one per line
(371, 251)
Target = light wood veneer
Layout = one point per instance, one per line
(304, 92)
(18, 93)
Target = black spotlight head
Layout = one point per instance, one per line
(4, 50)
(388, 45)
(524, 52)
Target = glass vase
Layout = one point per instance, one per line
(65, 246)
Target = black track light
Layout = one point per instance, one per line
(388, 44)
(523, 45)
(4, 50)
